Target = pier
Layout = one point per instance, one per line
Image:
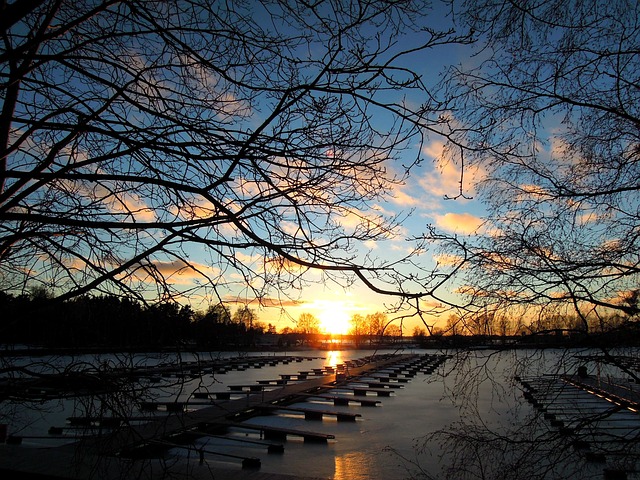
(597, 417)
(220, 414)
(177, 424)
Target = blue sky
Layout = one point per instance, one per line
(422, 198)
(245, 131)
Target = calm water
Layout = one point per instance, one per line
(472, 399)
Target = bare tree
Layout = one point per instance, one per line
(199, 147)
(548, 114)
(245, 316)
(145, 143)
(375, 324)
(358, 328)
(308, 324)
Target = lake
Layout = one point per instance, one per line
(467, 419)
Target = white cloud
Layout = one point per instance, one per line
(371, 245)
(403, 199)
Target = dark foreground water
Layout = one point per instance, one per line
(468, 419)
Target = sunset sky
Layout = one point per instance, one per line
(298, 158)
(424, 194)
(423, 197)
(420, 200)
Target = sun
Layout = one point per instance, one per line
(335, 321)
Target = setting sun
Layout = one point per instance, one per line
(335, 321)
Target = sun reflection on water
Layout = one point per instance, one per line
(334, 358)
(352, 466)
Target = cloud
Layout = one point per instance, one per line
(262, 302)
(356, 219)
(120, 203)
(138, 209)
(534, 190)
(444, 180)
(591, 217)
(184, 273)
(245, 258)
(435, 150)
(371, 244)
(464, 223)
(403, 199)
(194, 209)
(278, 264)
(218, 91)
(448, 260)
(625, 297)
(290, 228)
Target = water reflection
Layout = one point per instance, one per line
(334, 357)
(467, 417)
(354, 465)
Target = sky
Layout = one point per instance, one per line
(114, 94)
(422, 198)
(424, 195)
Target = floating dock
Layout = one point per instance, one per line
(175, 424)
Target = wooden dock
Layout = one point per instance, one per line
(311, 413)
(121, 441)
(137, 436)
(597, 416)
(344, 399)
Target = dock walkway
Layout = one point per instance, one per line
(112, 455)
(134, 436)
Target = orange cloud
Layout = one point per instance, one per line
(399, 197)
(448, 260)
(194, 209)
(446, 178)
(464, 223)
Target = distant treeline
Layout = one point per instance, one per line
(625, 335)
(110, 321)
(113, 322)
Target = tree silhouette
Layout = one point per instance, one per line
(171, 144)
(307, 324)
(548, 118)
